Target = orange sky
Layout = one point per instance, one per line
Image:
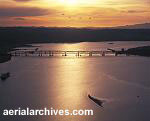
(73, 13)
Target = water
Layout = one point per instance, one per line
(64, 82)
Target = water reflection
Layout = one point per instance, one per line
(70, 88)
(63, 83)
(74, 47)
(69, 81)
(92, 45)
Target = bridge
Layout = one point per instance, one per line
(51, 53)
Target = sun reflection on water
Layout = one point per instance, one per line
(69, 78)
(71, 82)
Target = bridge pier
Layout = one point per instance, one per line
(90, 53)
(116, 54)
(15, 54)
(26, 54)
(40, 54)
(65, 53)
(103, 53)
(78, 53)
(50, 53)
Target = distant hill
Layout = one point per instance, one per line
(11, 37)
(135, 26)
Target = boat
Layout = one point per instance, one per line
(97, 101)
(5, 76)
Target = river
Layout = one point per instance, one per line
(65, 82)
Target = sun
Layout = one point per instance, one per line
(69, 2)
(72, 1)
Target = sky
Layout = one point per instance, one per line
(74, 13)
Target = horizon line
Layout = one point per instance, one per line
(86, 27)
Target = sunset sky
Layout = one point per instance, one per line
(73, 13)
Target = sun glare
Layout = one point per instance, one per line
(69, 2)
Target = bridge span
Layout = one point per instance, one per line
(51, 53)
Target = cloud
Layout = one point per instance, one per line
(22, 0)
(23, 11)
(20, 19)
(136, 11)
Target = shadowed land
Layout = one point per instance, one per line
(12, 37)
(4, 57)
(140, 51)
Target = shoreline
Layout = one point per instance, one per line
(139, 51)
